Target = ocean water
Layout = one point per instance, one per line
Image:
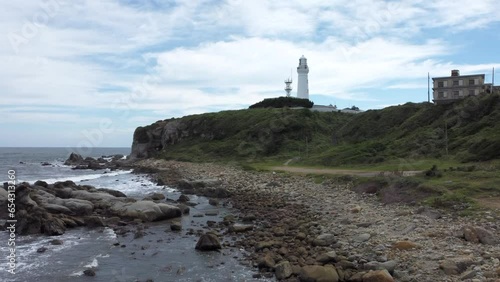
(160, 255)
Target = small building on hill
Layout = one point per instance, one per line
(449, 89)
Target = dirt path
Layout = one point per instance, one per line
(308, 170)
(491, 203)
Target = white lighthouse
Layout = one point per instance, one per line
(303, 82)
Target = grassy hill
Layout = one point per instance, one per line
(465, 131)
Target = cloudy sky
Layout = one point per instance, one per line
(87, 73)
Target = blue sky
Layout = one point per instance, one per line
(87, 73)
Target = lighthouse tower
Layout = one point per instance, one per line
(288, 86)
(303, 82)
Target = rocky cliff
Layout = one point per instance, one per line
(234, 134)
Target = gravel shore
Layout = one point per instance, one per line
(299, 230)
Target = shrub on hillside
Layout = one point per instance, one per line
(282, 102)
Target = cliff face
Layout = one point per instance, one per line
(228, 134)
(150, 140)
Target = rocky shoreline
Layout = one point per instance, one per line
(299, 230)
(292, 228)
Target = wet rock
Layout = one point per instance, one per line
(213, 202)
(238, 228)
(176, 226)
(93, 221)
(317, 273)
(184, 209)
(156, 196)
(56, 242)
(41, 183)
(112, 192)
(183, 198)
(208, 242)
(41, 250)
(53, 226)
(89, 272)
(146, 210)
(211, 213)
(53, 208)
(283, 270)
(74, 159)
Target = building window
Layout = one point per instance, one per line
(471, 92)
(440, 94)
(456, 94)
(471, 82)
(455, 82)
(440, 84)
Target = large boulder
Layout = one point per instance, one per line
(93, 196)
(55, 204)
(378, 276)
(53, 226)
(318, 273)
(456, 265)
(208, 242)
(74, 159)
(112, 192)
(29, 223)
(283, 270)
(478, 234)
(146, 210)
(53, 208)
(266, 261)
(3, 202)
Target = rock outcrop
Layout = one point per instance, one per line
(105, 162)
(52, 208)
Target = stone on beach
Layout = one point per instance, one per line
(318, 273)
(378, 276)
(208, 242)
(283, 270)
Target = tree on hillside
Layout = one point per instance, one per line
(282, 102)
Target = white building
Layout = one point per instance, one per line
(303, 81)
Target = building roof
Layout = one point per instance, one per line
(468, 75)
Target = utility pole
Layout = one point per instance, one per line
(428, 87)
